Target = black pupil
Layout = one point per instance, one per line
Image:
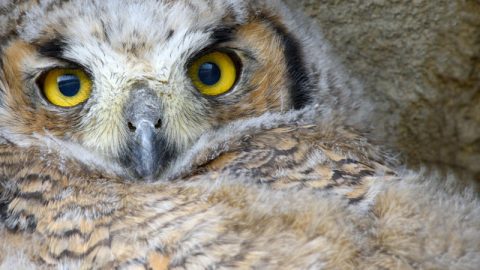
(209, 73)
(68, 84)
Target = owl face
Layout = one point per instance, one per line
(139, 81)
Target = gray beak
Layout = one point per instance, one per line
(148, 152)
(145, 151)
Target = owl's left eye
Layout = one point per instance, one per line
(66, 87)
(214, 73)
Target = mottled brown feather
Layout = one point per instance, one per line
(105, 221)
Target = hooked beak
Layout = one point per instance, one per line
(144, 151)
(148, 153)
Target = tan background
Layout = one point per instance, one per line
(420, 61)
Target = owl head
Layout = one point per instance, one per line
(139, 81)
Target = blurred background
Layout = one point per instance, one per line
(420, 63)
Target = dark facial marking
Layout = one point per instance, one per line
(53, 48)
(300, 87)
(223, 34)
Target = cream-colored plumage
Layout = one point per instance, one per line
(275, 173)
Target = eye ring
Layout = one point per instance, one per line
(66, 87)
(214, 73)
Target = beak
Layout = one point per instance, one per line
(144, 151)
(147, 153)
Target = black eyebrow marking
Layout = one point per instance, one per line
(53, 48)
(223, 34)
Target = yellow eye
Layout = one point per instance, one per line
(213, 74)
(66, 87)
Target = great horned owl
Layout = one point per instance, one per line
(201, 135)
(138, 83)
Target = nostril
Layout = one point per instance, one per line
(158, 124)
(131, 126)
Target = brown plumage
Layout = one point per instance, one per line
(339, 210)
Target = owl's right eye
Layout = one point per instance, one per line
(66, 87)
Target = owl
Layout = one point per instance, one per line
(138, 83)
(179, 134)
